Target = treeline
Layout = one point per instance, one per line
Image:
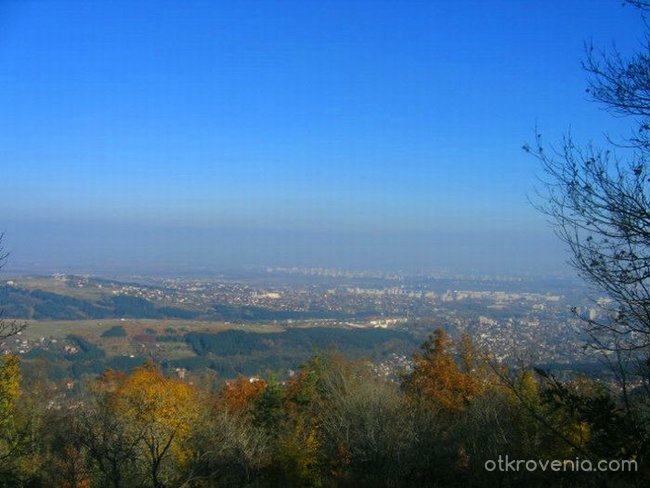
(334, 423)
(233, 352)
(228, 353)
(239, 342)
(44, 305)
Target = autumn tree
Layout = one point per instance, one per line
(9, 387)
(21, 447)
(145, 423)
(110, 442)
(367, 427)
(299, 442)
(232, 448)
(234, 451)
(68, 465)
(11, 439)
(437, 377)
(241, 393)
(10, 435)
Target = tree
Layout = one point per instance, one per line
(143, 424)
(9, 386)
(241, 394)
(108, 439)
(598, 199)
(437, 377)
(8, 328)
(11, 445)
(234, 451)
(12, 438)
(367, 428)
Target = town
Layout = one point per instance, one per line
(513, 319)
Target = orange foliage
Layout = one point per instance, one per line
(301, 389)
(305, 388)
(240, 394)
(437, 377)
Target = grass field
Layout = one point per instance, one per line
(132, 344)
(63, 288)
(93, 329)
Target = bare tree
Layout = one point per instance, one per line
(598, 198)
(8, 328)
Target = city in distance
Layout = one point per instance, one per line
(516, 318)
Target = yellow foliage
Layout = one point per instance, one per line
(300, 452)
(9, 385)
(155, 408)
(579, 433)
(528, 387)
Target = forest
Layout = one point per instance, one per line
(332, 423)
(45, 305)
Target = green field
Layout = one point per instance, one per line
(135, 328)
(93, 329)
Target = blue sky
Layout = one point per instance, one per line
(333, 133)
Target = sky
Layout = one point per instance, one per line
(353, 134)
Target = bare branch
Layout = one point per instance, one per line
(8, 328)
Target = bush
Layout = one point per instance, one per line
(115, 331)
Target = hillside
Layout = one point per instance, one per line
(38, 304)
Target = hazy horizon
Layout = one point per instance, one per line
(383, 135)
(150, 249)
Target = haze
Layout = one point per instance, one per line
(382, 135)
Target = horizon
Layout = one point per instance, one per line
(340, 135)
